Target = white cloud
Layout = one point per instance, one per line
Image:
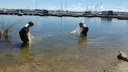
(33, 1)
(117, 8)
(82, 7)
(85, 8)
(79, 4)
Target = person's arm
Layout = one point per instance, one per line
(80, 32)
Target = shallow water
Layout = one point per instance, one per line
(54, 49)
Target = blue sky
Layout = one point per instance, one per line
(74, 5)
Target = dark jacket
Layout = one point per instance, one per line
(24, 34)
(84, 31)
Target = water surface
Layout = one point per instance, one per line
(55, 49)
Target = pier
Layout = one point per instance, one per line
(42, 12)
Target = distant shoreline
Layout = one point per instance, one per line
(67, 15)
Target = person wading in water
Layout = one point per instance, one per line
(84, 29)
(24, 32)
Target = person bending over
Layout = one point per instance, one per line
(84, 29)
(24, 32)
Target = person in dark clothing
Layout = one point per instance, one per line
(23, 33)
(84, 29)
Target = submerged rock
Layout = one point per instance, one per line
(122, 56)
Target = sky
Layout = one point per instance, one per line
(71, 5)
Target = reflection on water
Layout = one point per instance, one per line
(82, 40)
(106, 19)
(25, 50)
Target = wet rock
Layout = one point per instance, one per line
(119, 66)
(122, 56)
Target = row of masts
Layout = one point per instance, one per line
(97, 7)
(63, 6)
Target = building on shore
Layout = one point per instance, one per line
(107, 12)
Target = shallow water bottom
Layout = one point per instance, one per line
(62, 60)
(59, 53)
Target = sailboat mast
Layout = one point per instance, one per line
(61, 6)
(36, 4)
(65, 6)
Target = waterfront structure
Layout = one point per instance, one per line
(87, 12)
(107, 12)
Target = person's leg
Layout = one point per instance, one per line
(29, 37)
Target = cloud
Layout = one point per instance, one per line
(80, 7)
(51, 7)
(117, 8)
(79, 4)
(83, 7)
(33, 1)
(76, 8)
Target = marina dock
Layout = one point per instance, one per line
(39, 12)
